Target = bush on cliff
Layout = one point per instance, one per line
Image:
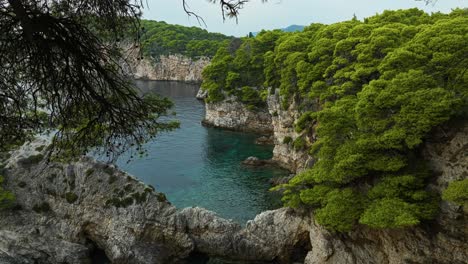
(382, 85)
(457, 192)
(6, 197)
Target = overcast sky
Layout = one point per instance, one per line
(282, 13)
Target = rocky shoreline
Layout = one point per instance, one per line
(68, 213)
(274, 123)
(65, 213)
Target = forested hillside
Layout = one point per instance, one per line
(371, 91)
(160, 38)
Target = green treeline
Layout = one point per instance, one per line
(371, 90)
(160, 38)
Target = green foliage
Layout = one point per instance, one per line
(71, 197)
(304, 121)
(382, 85)
(457, 192)
(251, 97)
(238, 69)
(160, 38)
(341, 209)
(6, 197)
(287, 140)
(299, 143)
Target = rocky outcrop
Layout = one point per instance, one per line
(165, 68)
(232, 114)
(65, 212)
(284, 135)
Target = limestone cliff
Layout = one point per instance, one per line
(165, 68)
(284, 134)
(232, 114)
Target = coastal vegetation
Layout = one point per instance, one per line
(160, 38)
(380, 85)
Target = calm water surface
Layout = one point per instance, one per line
(198, 166)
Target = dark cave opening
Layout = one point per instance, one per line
(97, 254)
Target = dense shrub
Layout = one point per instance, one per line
(381, 85)
(457, 192)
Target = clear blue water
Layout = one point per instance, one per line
(199, 166)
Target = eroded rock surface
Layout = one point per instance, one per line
(64, 212)
(174, 67)
(284, 135)
(232, 114)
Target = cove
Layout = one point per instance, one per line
(199, 166)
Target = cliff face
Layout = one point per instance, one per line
(283, 129)
(167, 68)
(171, 68)
(231, 114)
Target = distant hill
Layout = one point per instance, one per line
(291, 28)
(160, 38)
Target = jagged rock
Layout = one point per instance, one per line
(231, 114)
(64, 210)
(201, 94)
(283, 128)
(254, 161)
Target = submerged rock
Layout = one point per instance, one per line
(254, 161)
(264, 140)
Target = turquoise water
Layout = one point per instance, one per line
(198, 166)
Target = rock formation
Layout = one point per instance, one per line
(232, 114)
(174, 67)
(283, 129)
(65, 212)
(275, 121)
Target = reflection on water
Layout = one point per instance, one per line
(198, 166)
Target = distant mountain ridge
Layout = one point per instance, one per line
(291, 28)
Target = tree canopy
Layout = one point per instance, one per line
(371, 91)
(57, 75)
(160, 38)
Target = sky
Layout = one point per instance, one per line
(274, 14)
